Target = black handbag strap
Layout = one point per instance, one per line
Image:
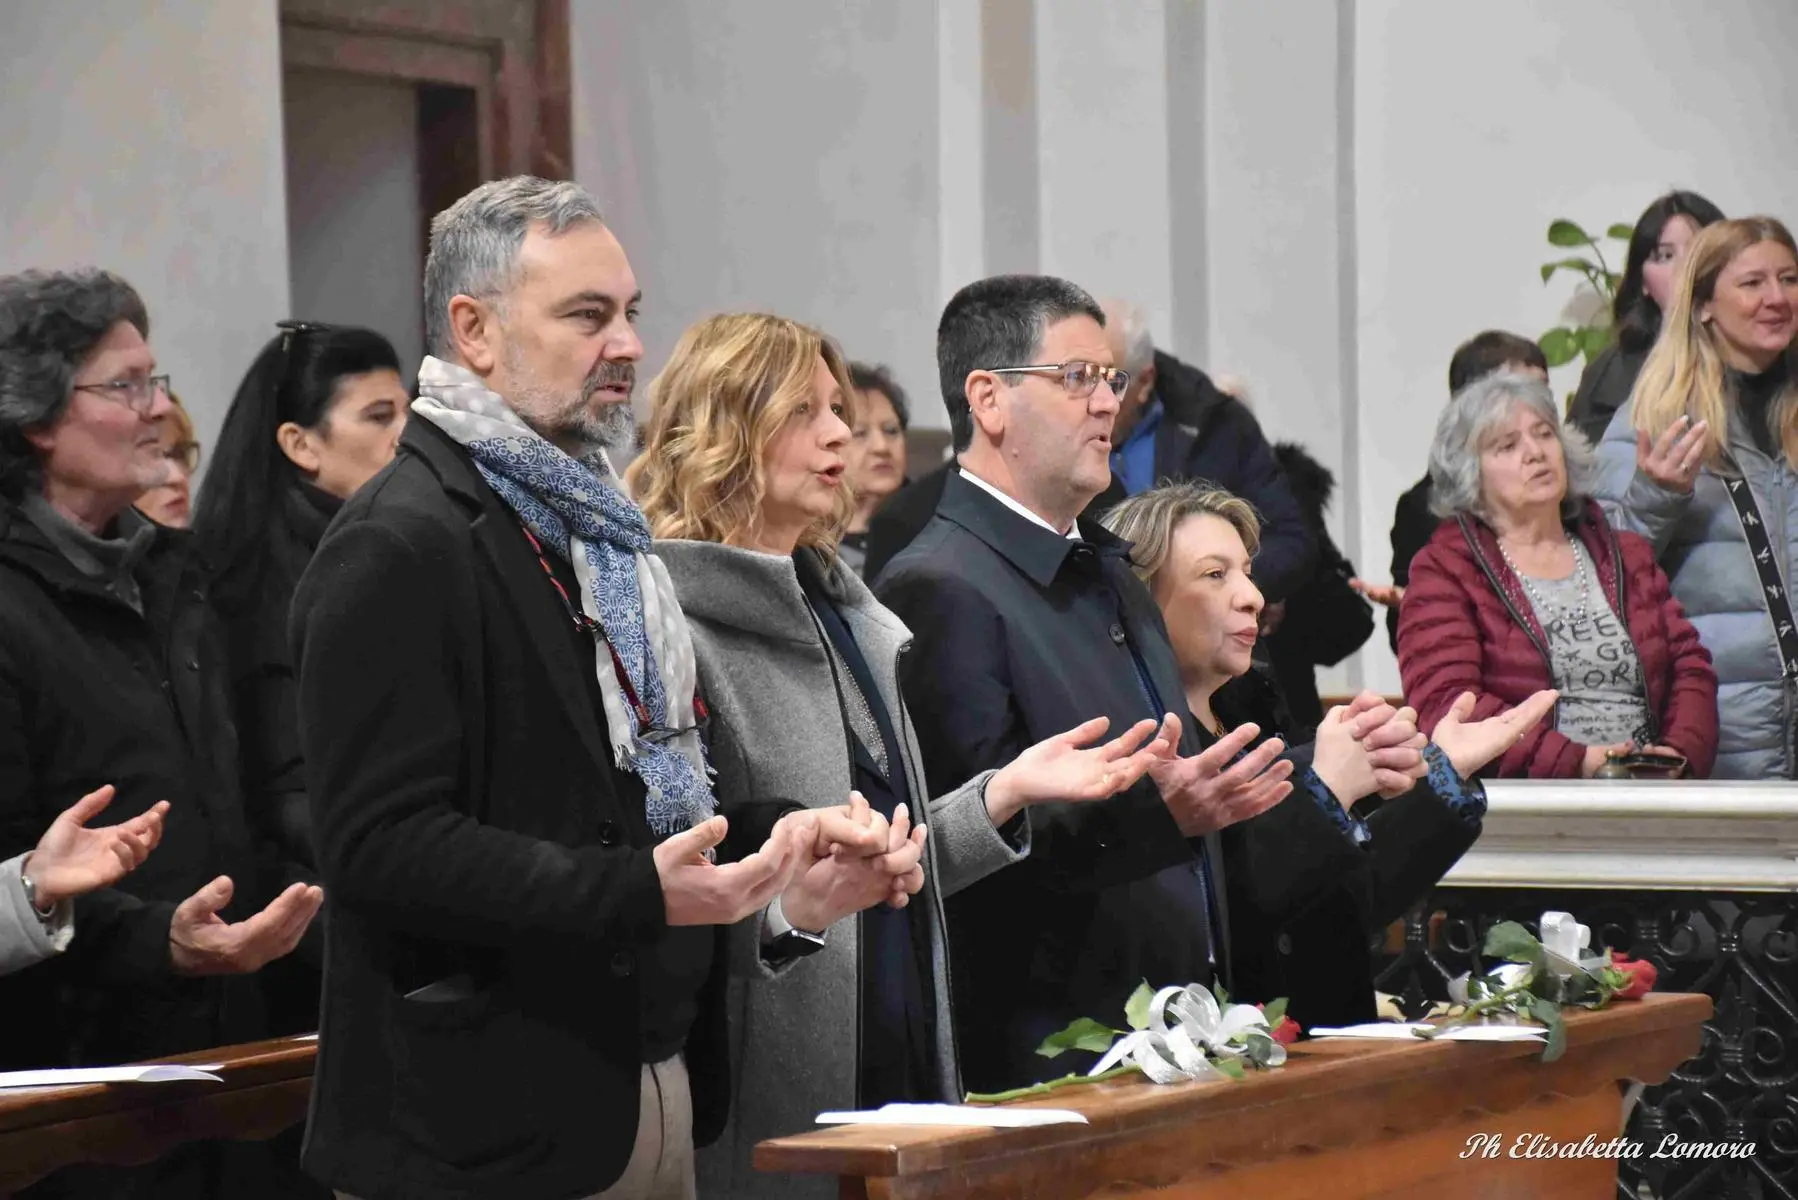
(1766, 563)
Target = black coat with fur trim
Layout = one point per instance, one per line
(1325, 620)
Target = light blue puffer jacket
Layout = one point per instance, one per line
(1698, 540)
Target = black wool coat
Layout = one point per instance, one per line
(92, 693)
(496, 906)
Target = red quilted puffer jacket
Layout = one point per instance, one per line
(1466, 625)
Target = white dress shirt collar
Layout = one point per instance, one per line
(1073, 533)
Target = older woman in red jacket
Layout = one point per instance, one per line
(1529, 587)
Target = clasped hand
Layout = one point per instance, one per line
(823, 863)
(1367, 746)
(856, 860)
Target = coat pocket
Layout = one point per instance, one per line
(461, 1065)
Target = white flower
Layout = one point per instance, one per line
(1187, 1029)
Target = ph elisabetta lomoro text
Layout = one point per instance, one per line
(1540, 1145)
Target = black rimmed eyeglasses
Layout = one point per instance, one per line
(1081, 379)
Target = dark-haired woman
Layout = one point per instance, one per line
(316, 417)
(876, 454)
(1656, 249)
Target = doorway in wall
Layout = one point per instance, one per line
(392, 110)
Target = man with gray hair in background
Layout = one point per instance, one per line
(510, 801)
(1175, 424)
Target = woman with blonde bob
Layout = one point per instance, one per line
(1701, 462)
(742, 481)
(1194, 546)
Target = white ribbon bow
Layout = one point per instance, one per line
(1186, 1028)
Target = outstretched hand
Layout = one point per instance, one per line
(72, 860)
(697, 891)
(1206, 793)
(203, 943)
(1069, 767)
(1387, 594)
(1673, 459)
(1470, 746)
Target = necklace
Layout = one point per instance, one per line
(1580, 579)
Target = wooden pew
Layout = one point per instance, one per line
(265, 1090)
(1344, 1119)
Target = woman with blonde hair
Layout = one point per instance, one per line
(742, 480)
(1194, 546)
(1702, 462)
(171, 502)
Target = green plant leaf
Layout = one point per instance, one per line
(1136, 1008)
(1546, 985)
(1550, 1016)
(1579, 988)
(1559, 346)
(1593, 339)
(1568, 264)
(1512, 942)
(1621, 232)
(1274, 1011)
(1084, 1034)
(1562, 232)
(1229, 1066)
(1223, 997)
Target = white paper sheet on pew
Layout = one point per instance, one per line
(1395, 1031)
(76, 1076)
(972, 1116)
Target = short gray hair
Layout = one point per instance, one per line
(50, 321)
(1473, 413)
(1132, 324)
(475, 242)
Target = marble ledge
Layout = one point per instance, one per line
(1635, 835)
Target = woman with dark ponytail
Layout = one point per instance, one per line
(318, 415)
(1656, 248)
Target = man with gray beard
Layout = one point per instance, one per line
(511, 804)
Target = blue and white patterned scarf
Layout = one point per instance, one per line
(576, 509)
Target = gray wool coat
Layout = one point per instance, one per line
(777, 731)
(1698, 541)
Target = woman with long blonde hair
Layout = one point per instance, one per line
(1703, 461)
(742, 480)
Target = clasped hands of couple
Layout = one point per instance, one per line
(828, 863)
(71, 860)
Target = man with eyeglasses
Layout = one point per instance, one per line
(111, 671)
(1026, 618)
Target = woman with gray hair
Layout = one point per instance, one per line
(1528, 587)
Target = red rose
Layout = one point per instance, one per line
(1286, 1032)
(1641, 976)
